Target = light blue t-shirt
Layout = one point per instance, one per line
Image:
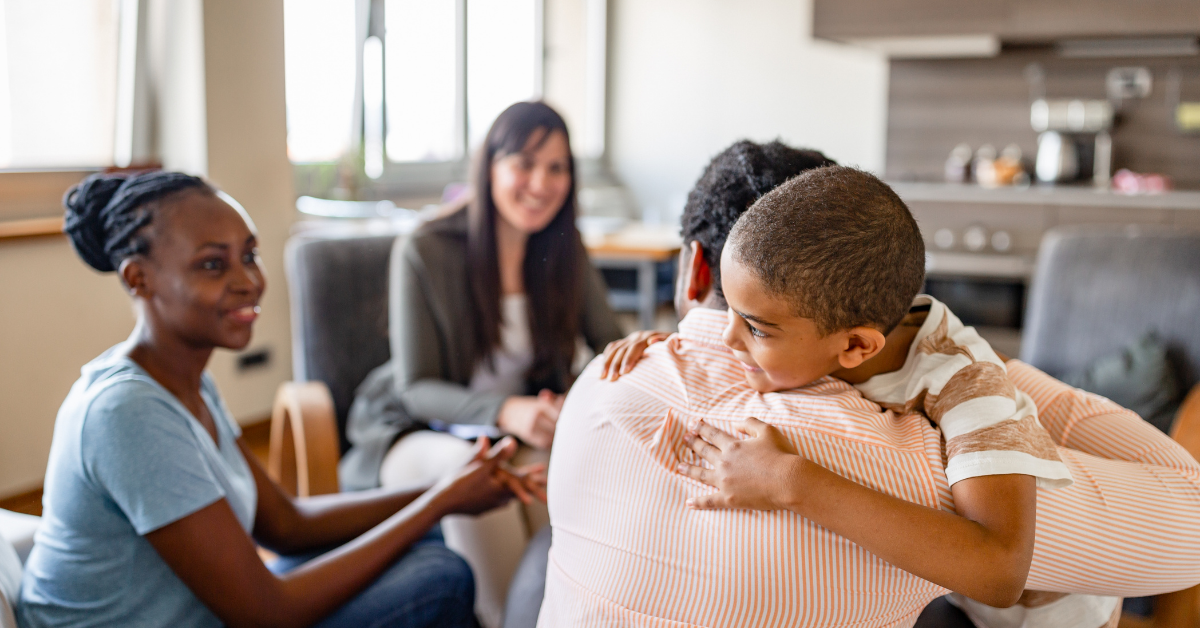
(127, 458)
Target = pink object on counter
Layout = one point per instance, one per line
(1126, 181)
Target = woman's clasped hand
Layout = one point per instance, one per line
(488, 482)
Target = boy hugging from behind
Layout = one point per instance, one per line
(822, 277)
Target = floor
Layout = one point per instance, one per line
(28, 503)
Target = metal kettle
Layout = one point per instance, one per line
(1057, 158)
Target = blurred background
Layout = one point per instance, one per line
(995, 121)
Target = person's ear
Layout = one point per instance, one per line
(861, 344)
(699, 274)
(133, 275)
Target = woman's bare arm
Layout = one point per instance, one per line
(984, 552)
(286, 525)
(214, 557)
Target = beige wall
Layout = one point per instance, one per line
(688, 77)
(247, 157)
(56, 314)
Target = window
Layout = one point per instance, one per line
(58, 83)
(415, 84)
(504, 59)
(422, 80)
(321, 68)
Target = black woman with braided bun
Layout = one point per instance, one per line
(154, 505)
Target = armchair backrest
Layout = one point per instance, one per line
(339, 301)
(1099, 288)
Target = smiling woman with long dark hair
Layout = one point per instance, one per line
(153, 503)
(486, 305)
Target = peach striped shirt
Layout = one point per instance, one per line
(627, 552)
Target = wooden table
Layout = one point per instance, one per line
(640, 248)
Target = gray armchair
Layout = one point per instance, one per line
(1100, 288)
(338, 283)
(339, 300)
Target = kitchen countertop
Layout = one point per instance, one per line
(964, 264)
(1043, 195)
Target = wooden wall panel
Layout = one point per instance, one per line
(935, 104)
(1049, 19)
(1186, 219)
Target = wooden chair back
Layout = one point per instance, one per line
(304, 451)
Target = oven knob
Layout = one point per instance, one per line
(975, 238)
(1001, 241)
(944, 238)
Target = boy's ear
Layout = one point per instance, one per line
(862, 344)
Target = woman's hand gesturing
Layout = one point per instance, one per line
(762, 472)
(621, 355)
(527, 483)
(487, 482)
(531, 419)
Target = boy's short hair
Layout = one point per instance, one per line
(838, 244)
(732, 181)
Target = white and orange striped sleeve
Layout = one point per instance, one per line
(1130, 524)
(953, 376)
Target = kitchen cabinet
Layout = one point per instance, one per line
(1024, 216)
(1077, 215)
(1023, 223)
(1010, 20)
(1186, 220)
(986, 285)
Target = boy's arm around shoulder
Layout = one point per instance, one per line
(983, 552)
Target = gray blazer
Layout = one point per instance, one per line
(433, 357)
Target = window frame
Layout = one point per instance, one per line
(31, 197)
(36, 194)
(427, 179)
